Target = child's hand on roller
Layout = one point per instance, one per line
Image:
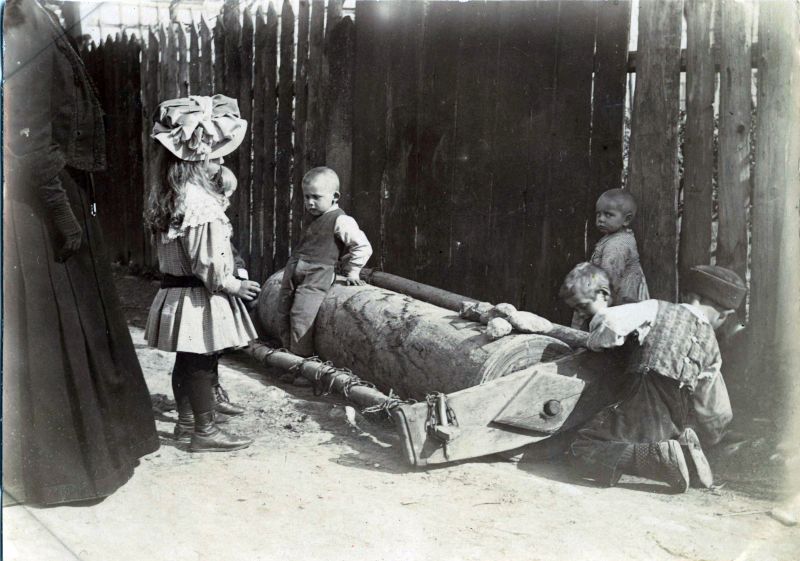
(248, 290)
(354, 281)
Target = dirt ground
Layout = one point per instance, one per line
(316, 487)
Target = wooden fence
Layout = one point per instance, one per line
(472, 139)
(278, 80)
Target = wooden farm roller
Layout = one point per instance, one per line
(402, 343)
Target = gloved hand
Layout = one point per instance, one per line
(56, 202)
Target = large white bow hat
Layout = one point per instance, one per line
(198, 127)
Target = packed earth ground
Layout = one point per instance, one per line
(322, 482)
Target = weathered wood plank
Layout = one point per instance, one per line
(653, 176)
(300, 115)
(136, 156)
(473, 176)
(195, 64)
(183, 60)
(264, 110)
(315, 123)
(206, 79)
(219, 56)
(698, 155)
(170, 67)
(283, 170)
(333, 17)
(369, 144)
(245, 156)
(399, 181)
(339, 137)
(531, 275)
(231, 88)
(735, 112)
(570, 172)
(608, 105)
(151, 150)
(775, 307)
(270, 145)
(518, 103)
(438, 85)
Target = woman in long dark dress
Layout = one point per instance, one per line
(76, 411)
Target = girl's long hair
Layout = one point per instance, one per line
(165, 198)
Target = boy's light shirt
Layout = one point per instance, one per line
(358, 247)
(611, 327)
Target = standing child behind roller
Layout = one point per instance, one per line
(616, 252)
(199, 310)
(329, 237)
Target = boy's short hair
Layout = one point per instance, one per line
(622, 199)
(721, 286)
(324, 174)
(584, 280)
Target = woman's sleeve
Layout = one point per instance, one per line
(32, 152)
(209, 248)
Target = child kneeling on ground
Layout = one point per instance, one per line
(674, 386)
(329, 237)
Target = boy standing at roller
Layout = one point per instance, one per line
(673, 384)
(329, 238)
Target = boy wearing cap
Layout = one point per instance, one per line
(674, 385)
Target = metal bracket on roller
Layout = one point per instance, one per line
(446, 433)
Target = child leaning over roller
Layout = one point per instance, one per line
(198, 312)
(616, 252)
(673, 384)
(329, 238)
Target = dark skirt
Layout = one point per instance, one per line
(76, 410)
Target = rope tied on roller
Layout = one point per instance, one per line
(392, 401)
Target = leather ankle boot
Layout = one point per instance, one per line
(223, 403)
(208, 437)
(184, 428)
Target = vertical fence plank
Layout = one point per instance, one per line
(219, 56)
(300, 114)
(206, 62)
(333, 17)
(775, 306)
(107, 205)
(608, 104)
(232, 88)
(245, 155)
(698, 155)
(315, 124)
(261, 157)
(195, 64)
(398, 182)
(437, 110)
(183, 60)
(270, 119)
(339, 131)
(283, 171)
(150, 149)
(735, 112)
(569, 158)
(654, 141)
(171, 67)
(369, 152)
(473, 178)
(135, 153)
